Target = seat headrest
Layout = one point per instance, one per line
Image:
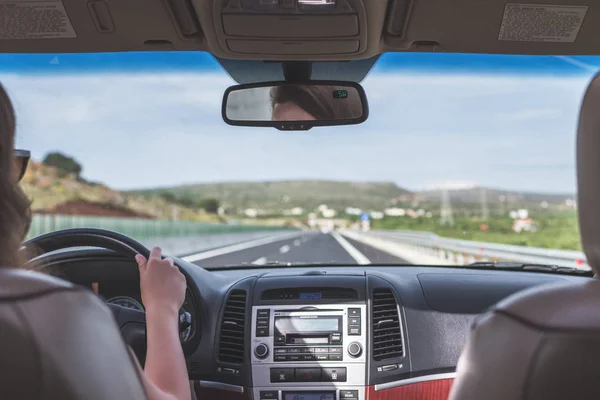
(588, 173)
(60, 341)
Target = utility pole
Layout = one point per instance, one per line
(485, 212)
(446, 211)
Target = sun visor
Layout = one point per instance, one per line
(72, 26)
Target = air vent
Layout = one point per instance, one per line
(231, 339)
(387, 335)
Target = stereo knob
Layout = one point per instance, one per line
(261, 351)
(354, 349)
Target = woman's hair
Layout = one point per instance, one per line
(318, 101)
(15, 215)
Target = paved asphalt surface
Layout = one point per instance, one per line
(306, 247)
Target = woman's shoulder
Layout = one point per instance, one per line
(22, 283)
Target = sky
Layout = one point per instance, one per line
(138, 120)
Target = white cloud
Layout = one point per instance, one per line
(139, 130)
(451, 185)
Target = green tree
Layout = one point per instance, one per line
(168, 196)
(65, 164)
(210, 205)
(187, 202)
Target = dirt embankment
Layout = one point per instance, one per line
(81, 207)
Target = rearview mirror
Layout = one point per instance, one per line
(295, 106)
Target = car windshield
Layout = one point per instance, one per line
(463, 159)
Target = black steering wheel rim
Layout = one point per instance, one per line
(82, 237)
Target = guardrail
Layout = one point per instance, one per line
(459, 252)
(139, 228)
(177, 238)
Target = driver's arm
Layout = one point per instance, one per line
(163, 292)
(152, 391)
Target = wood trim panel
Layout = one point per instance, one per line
(429, 390)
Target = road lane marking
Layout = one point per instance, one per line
(297, 242)
(353, 251)
(238, 247)
(403, 251)
(260, 261)
(284, 249)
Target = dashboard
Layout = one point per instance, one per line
(322, 333)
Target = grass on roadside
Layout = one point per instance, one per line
(559, 231)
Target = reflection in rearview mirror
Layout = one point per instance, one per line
(284, 105)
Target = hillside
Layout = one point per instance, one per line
(309, 194)
(283, 194)
(52, 193)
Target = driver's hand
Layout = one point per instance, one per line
(161, 283)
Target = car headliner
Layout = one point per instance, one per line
(459, 26)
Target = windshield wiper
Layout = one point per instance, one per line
(529, 267)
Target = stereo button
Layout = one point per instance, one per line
(348, 394)
(353, 329)
(334, 374)
(308, 375)
(270, 394)
(354, 312)
(262, 332)
(282, 375)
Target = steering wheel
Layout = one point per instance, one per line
(131, 322)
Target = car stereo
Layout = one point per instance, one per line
(307, 334)
(309, 352)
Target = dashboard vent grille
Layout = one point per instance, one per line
(387, 334)
(231, 339)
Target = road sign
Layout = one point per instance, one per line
(365, 217)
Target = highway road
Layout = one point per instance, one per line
(295, 248)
